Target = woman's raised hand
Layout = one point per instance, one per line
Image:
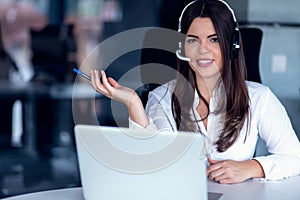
(111, 89)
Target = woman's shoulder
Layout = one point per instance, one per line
(259, 94)
(165, 88)
(164, 91)
(256, 89)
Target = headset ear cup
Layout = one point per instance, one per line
(235, 44)
(179, 46)
(179, 53)
(179, 50)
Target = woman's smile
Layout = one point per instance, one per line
(205, 62)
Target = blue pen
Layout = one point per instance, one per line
(81, 73)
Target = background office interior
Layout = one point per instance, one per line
(56, 166)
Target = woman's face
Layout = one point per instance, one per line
(202, 46)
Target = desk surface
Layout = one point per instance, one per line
(54, 91)
(276, 190)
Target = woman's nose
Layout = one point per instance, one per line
(202, 48)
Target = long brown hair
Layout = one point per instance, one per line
(233, 76)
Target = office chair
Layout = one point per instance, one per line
(157, 60)
(251, 39)
(49, 49)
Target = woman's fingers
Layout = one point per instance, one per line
(211, 161)
(96, 83)
(218, 175)
(111, 88)
(108, 86)
(230, 171)
(113, 82)
(104, 80)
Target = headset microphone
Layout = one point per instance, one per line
(178, 52)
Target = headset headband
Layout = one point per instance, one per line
(226, 4)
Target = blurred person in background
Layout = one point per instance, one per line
(88, 17)
(18, 18)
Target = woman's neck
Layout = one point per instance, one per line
(206, 86)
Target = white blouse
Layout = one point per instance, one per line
(269, 120)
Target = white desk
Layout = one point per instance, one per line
(288, 189)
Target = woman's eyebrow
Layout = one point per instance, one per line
(212, 35)
(195, 36)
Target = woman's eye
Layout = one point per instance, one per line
(215, 39)
(191, 40)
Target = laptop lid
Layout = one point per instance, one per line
(121, 163)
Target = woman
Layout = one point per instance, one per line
(210, 96)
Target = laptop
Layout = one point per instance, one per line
(121, 163)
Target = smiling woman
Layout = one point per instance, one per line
(211, 96)
(202, 46)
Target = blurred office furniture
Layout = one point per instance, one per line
(28, 94)
(251, 39)
(49, 51)
(50, 48)
(157, 58)
(18, 18)
(6, 64)
(58, 96)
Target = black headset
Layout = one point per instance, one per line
(235, 43)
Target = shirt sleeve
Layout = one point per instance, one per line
(158, 109)
(276, 130)
(134, 125)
